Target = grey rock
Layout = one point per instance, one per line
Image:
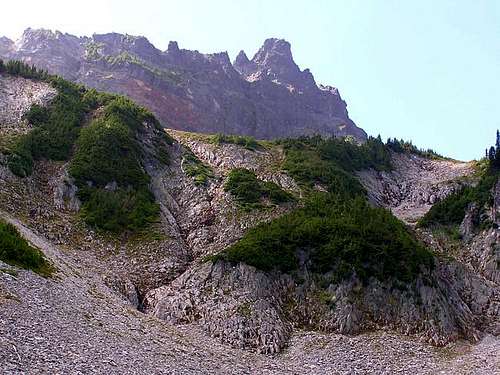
(470, 221)
(267, 97)
(415, 184)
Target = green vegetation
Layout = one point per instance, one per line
(55, 129)
(107, 161)
(451, 210)
(93, 50)
(249, 191)
(108, 153)
(335, 233)
(118, 210)
(330, 162)
(493, 154)
(20, 69)
(246, 141)
(194, 168)
(124, 57)
(339, 237)
(402, 146)
(16, 251)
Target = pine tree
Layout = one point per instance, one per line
(491, 154)
(496, 161)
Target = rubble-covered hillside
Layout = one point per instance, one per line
(151, 240)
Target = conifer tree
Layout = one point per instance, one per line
(491, 154)
(496, 161)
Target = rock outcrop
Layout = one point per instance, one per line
(415, 184)
(266, 97)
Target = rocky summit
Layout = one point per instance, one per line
(267, 97)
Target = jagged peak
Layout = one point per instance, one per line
(35, 39)
(330, 89)
(117, 38)
(41, 33)
(5, 45)
(173, 47)
(5, 40)
(220, 57)
(274, 60)
(274, 47)
(241, 58)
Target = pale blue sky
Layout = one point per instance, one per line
(422, 70)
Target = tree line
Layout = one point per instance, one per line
(21, 69)
(493, 153)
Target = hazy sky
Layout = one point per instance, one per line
(423, 70)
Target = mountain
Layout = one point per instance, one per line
(266, 97)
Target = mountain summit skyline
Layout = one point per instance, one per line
(266, 97)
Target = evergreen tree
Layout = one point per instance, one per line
(491, 154)
(496, 162)
(2, 66)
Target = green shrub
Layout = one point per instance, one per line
(21, 69)
(94, 99)
(37, 115)
(274, 192)
(315, 161)
(451, 210)
(246, 141)
(402, 146)
(55, 129)
(243, 185)
(108, 152)
(194, 168)
(20, 160)
(16, 251)
(336, 233)
(119, 210)
(337, 236)
(248, 190)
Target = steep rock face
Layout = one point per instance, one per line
(267, 97)
(53, 51)
(482, 247)
(206, 216)
(246, 308)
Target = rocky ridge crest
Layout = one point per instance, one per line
(267, 97)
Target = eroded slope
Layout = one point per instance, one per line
(415, 184)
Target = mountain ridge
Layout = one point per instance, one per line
(269, 97)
